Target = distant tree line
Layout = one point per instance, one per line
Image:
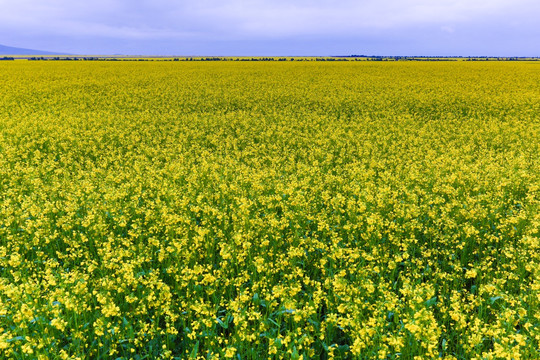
(330, 58)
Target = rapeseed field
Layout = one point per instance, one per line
(292, 210)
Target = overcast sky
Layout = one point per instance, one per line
(274, 27)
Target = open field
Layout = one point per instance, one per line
(243, 210)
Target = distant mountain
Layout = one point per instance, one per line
(8, 50)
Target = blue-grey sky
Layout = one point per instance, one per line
(274, 27)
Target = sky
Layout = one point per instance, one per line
(274, 27)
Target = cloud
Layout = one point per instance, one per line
(233, 21)
(448, 29)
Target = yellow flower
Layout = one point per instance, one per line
(230, 352)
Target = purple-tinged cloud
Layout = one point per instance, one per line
(277, 27)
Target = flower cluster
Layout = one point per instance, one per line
(370, 210)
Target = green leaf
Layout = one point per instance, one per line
(431, 301)
(17, 338)
(295, 355)
(194, 351)
(223, 325)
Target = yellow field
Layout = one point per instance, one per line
(369, 210)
